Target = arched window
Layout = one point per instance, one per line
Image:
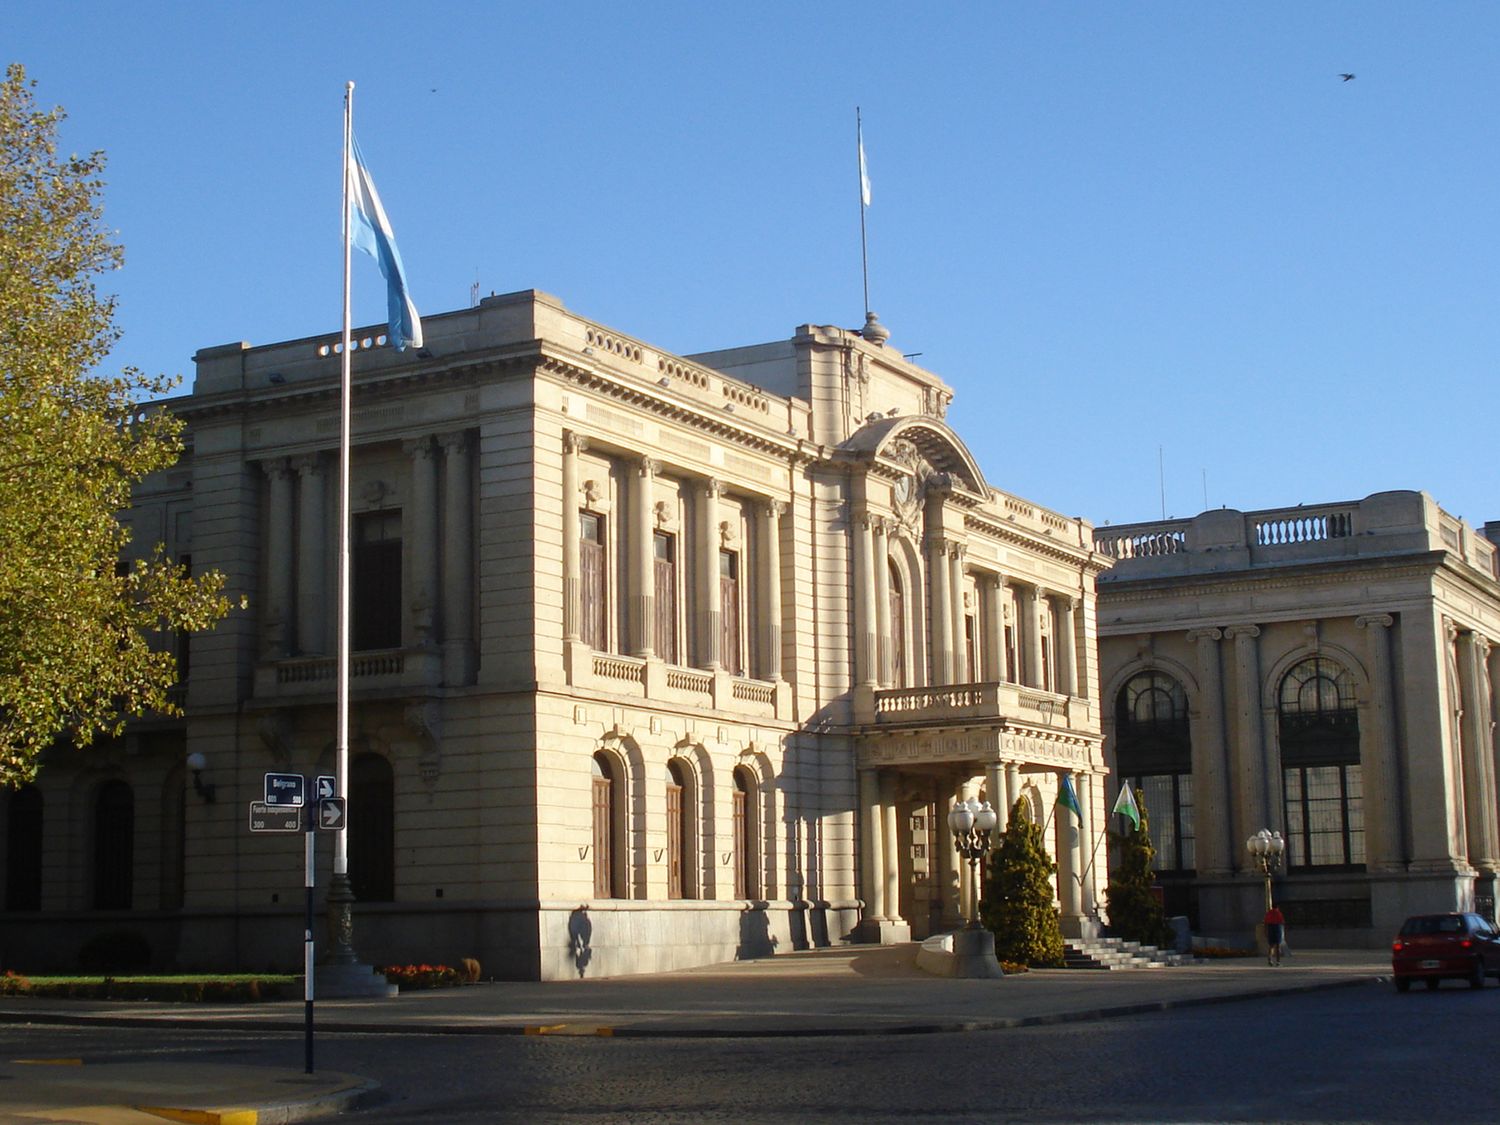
(372, 828)
(609, 828)
(23, 849)
(746, 835)
(1318, 724)
(1153, 755)
(681, 836)
(898, 627)
(114, 846)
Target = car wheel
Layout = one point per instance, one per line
(1432, 983)
(1476, 978)
(1402, 984)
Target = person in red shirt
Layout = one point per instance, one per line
(1275, 934)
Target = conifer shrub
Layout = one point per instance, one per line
(1134, 912)
(1018, 905)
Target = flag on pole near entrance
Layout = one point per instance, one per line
(370, 230)
(1125, 805)
(864, 169)
(1067, 796)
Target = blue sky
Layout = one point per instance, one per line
(1129, 235)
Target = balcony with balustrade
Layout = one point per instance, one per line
(982, 705)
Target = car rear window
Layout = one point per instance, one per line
(1433, 924)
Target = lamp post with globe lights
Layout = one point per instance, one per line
(1266, 849)
(972, 823)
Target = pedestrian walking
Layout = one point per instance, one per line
(1275, 935)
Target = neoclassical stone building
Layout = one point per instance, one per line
(1328, 672)
(659, 660)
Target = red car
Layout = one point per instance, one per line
(1433, 946)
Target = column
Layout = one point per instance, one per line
(1012, 791)
(770, 589)
(995, 786)
(706, 576)
(1069, 863)
(312, 543)
(965, 875)
(642, 576)
(1088, 845)
(1030, 602)
(573, 445)
(865, 671)
(1251, 772)
(992, 639)
(947, 855)
(423, 549)
(458, 554)
(1479, 779)
(961, 671)
(1067, 649)
(872, 855)
(1214, 821)
(886, 672)
(890, 840)
(278, 558)
(940, 614)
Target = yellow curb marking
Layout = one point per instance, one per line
(46, 1062)
(204, 1116)
(570, 1029)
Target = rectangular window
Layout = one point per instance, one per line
(603, 852)
(593, 594)
(1169, 809)
(664, 549)
(1046, 684)
(1325, 816)
(741, 846)
(376, 552)
(1009, 672)
(729, 613)
(674, 841)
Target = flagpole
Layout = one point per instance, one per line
(340, 895)
(864, 256)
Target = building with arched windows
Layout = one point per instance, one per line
(658, 660)
(1328, 672)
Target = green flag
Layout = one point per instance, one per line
(1125, 805)
(1067, 796)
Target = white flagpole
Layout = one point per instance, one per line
(864, 256)
(341, 737)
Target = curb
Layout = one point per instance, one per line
(586, 1027)
(363, 1092)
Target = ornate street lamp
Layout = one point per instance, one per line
(972, 823)
(1266, 849)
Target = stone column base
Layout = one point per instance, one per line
(350, 982)
(881, 931)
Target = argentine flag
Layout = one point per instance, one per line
(371, 231)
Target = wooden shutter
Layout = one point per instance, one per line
(603, 832)
(741, 848)
(666, 598)
(729, 611)
(674, 841)
(592, 589)
(898, 632)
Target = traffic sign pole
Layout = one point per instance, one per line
(307, 949)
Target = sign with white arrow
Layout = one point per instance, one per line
(327, 787)
(332, 814)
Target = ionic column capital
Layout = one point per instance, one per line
(1236, 632)
(647, 467)
(419, 448)
(771, 509)
(572, 442)
(308, 464)
(277, 468)
(457, 441)
(1194, 636)
(710, 488)
(1375, 620)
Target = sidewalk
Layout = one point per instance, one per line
(850, 990)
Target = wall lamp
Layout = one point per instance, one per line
(205, 789)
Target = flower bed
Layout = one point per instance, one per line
(422, 976)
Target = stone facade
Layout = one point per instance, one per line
(1328, 672)
(658, 660)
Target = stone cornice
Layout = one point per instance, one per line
(1163, 587)
(1004, 532)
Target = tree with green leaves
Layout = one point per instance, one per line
(76, 626)
(1018, 902)
(1134, 912)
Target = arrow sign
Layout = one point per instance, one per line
(332, 814)
(327, 787)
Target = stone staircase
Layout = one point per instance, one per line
(1112, 953)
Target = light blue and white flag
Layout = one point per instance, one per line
(370, 230)
(864, 170)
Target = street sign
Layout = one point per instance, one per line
(333, 814)
(285, 789)
(269, 818)
(327, 787)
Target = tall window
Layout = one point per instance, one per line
(114, 846)
(1046, 684)
(681, 837)
(1319, 729)
(593, 588)
(746, 835)
(182, 639)
(608, 828)
(23, 849)
(664, 549)
(729, 611)
(1153, 753)
(898, 628)
(377, 580)
(1009, 672)
(372, 828)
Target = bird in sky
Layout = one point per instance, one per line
(1347, 77)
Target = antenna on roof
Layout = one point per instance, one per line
(474, 290)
